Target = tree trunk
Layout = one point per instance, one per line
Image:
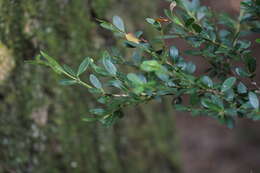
(41, 122)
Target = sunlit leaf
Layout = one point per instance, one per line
(132, 38)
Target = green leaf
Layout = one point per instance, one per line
(195, 4)
(197, 28)
(228, 84)
(176, 20)
(95, 82)
(83, 66)
(217, 100)
(109, 66)
(229, 95)
(161, 75)
(207, 81)
(226, 20)
(241, 88)
(231, 112)
(118, 22)
(109, 120)
(251, 64)
(138, 34)
(116, 83)
(138, 90)
(174, 53)
(135, 79)
(99, 70)
(109, 26)
(195, 41)
(97, 111)
(155, 24)
(150, 20)
(150, 66)
(257, 40)
(241, 72)
(253, 99)
(190, 67)
(67, 82)
(210, 105)
(189, 22)
(95, 91)
(52, 63)
(69, 70)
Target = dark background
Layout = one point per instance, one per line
(41, 130)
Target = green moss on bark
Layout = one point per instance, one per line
(63, 142)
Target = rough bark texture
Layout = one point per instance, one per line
(41, 129)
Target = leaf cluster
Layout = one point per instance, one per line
(226, 90)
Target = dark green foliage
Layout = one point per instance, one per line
(166, 73)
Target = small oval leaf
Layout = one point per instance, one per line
(67, 82)
(174, 54)
(95, 82)
(109, 66)
(241, 88)
(83, 66)
(228, 84)
(207, 81)
(134, 78)
(253, 99)
(69, 70)
(118, 22)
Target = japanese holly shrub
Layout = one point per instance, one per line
(226, 90)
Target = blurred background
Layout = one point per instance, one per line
(41, 127)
